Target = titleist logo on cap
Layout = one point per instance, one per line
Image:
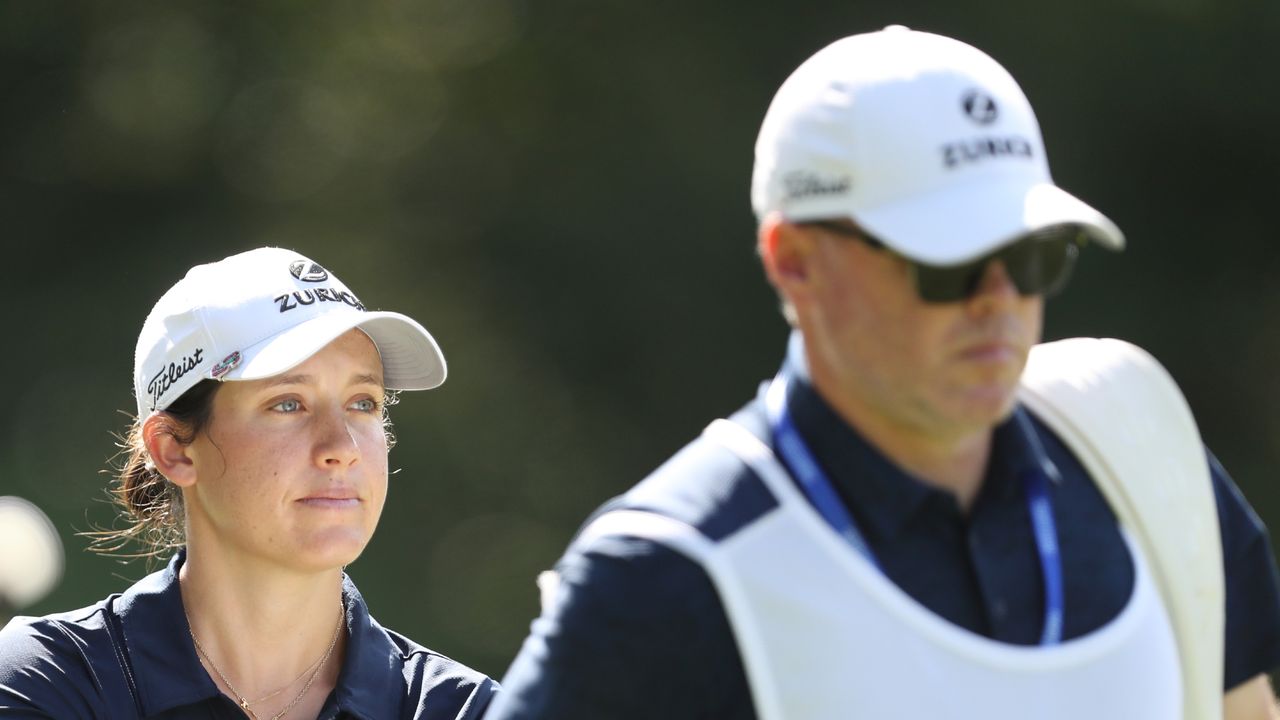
(171, 374)
(803, 183)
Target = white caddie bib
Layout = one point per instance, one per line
(824, 635)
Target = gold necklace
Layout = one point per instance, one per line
(244, 702)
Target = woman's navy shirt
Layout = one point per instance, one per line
(131, 656)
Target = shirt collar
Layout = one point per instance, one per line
(370, 685)
(166, 670)
(866, 479)
(1015, 451)
(881, 496)
(168, 673)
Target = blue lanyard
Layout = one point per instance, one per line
(817, 487)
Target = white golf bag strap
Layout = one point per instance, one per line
(1125, 419)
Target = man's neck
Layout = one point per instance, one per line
(952, 461)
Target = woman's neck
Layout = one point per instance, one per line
(262, 631)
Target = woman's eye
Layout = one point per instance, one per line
(287, 406)
(365, 405)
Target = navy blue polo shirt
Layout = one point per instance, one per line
(638, 630)
(131, 656)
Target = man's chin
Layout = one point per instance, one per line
(990, 405)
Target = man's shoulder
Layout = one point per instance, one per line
(705, 485)
(625, 576)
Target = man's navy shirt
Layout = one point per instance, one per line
(638, 630)
(131, 656)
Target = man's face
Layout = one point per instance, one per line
(938, 369)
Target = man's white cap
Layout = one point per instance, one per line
(30, 554)
(925, 142)
(258, 314)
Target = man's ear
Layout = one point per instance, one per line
(786, 251)
(171, 458)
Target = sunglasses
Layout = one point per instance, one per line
(1039, 264)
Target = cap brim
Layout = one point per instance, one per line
(31, 564)
(959, 224)
(411, 359)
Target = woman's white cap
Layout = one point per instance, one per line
(924, 141)
(258, 314)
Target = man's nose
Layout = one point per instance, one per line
(995, 286)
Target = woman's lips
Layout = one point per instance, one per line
(331, 501)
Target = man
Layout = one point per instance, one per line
(904, 523)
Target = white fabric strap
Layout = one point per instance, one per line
(637, 523)
(687, 540)
(1125, 419)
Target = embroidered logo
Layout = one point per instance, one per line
(172, 373)
(307, 271)
(980, 107)
(801, 183)
(294, 300)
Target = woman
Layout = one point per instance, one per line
(259, 454)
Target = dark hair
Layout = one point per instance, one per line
(151, 506)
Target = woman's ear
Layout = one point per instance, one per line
(171, 458)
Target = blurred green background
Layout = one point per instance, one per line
(559, 191)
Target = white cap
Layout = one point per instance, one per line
(259, 313)
(30, 553)
(924, 141)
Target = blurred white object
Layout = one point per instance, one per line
(30, 553)
(548, 586)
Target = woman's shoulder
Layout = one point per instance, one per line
(441, 688)
(419, 656)
(53, 639)
(53, 664)
(389, 675)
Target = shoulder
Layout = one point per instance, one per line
(603, 645)
(1238, 520)
(1252, 586)
(705, 485)
(624, 575)
(389, 675)
(54, 638)
(55, 664)
(440, 686)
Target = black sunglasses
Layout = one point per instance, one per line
(1038, 264)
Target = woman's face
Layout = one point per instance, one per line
(292, 469)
